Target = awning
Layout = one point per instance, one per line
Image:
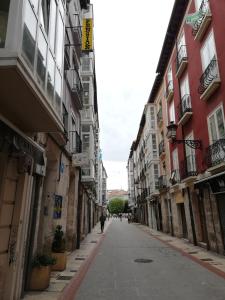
(18, 142)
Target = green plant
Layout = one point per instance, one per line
(116, 206)
(43, 260)
(58, 244)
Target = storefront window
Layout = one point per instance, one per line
(51, 78)
(59, 41)
(4, 11)
(58, 91)
(52, 26)
(29, 35)
(41, 58)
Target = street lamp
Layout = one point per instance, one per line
(172, 136)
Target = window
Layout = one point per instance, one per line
(152, 117)
(154, 146)
(86, 64)
(216, 125)
(184, 87)
(4, 12)
(181, 42)
(208, 51)
(44, 14)
(85, 142)
(59, 41)
(170, 78)
(52, 25)
(175, 176)
(41, 58)
(190, 155)
(29, 35)
(86, 93)
(50, 77)
(85, 128)
(156, 175)
(58, 91)
(172, 112)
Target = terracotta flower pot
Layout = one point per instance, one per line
(60, 261)
(40, 278)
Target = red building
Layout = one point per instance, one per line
(192, 69)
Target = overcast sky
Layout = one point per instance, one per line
(128, 37)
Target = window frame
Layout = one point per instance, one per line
(213, 113)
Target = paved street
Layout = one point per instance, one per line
(115, 275)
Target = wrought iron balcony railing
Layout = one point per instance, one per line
(215, 153)
(169, 89)
(162, 182)
(188, 167)
(75, 142)
(184, 106)
(161, 147)
(181, 55)
(211, 73)
(159, 115)
(203, 11)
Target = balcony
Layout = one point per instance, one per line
(210, 80)
(169, 91)
(162, 182)
(185, 110)
(182, 60)
(188, 169)
(215, 156)
(161, 148)
(203, 22)
(76, 87)
(160, 117)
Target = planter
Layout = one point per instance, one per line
(60, 261)
(40, 278)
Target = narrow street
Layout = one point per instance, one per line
(115, 275)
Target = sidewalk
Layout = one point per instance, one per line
(64, 284)
(210, 260)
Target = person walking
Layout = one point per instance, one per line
(102, 222)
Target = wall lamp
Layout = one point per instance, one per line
(172, 136)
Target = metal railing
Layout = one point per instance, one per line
(161, 147)
(184, 106)
(181, 55)
(169, 88)
(188, 167)
(162, 182)
(203, 11)
(75, 143)
(215, 153)
(211, 73)
(159, 115)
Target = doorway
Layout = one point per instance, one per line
(183, 221)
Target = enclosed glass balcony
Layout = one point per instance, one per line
(31, 63)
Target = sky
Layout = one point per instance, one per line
(128, 38)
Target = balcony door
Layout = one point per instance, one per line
(208, 51)
(176, 173)
(185, 95)
(190, 156)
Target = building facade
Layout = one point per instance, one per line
(47, 170)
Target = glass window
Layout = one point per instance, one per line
(85, 142)
(34, 4)
(4, 12)
(29, 35)
(52, 25)
(59, 41)
(44, 14)
(58, 91)
(85, 128)
(172, 112)
(208, 51)
(41, 58)
(50, 77)
(216, 125)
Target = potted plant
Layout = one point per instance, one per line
(59, 249)
(41, 269)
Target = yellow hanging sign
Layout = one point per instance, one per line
(87, 35)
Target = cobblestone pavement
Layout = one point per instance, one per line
(134, 241)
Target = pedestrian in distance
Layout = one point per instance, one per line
(102, 222)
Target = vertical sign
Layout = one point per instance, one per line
(87, 35)
(57, 207)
